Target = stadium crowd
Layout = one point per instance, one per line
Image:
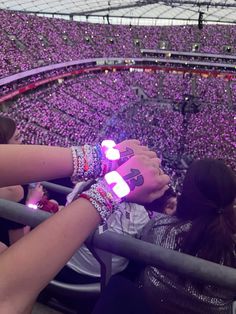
(83, 110)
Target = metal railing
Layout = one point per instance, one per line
(147, 253)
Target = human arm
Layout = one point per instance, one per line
(28, 265)
(44, 251)
(20, 164)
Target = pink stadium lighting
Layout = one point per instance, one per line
(111, 153)
(117, 184)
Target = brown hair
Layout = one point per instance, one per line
(209, 191)
(7, 129)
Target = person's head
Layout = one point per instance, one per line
(166, 204)
(209, 188)
(9, 134)
(207, 199)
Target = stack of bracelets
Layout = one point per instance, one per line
(91, 162)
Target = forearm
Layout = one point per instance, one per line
(21, 164)
(28, 265)
(37, 257)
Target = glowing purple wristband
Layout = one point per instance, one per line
(110, 152)
(33, 206)
(117, 184)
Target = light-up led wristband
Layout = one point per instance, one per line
(108, 149)
(117, 184)
(33, 206)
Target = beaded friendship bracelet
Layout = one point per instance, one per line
(104, 201)
(107, 194)
(93, 161)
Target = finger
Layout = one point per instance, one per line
(161, 180)
(155, 163)
(147, 153)
(159, 193)
(164, 178)
(145, 148)
(151, 155)
(134, 141)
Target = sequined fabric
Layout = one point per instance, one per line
(169, 293)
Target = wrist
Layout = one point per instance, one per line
(102, 198)
(86, 162)
(94, 161)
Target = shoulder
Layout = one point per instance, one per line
(164, 227)
(165, 219)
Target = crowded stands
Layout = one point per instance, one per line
(187, 119)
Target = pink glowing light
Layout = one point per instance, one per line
(108, 144)
(33, 206)
(110, 152)
(117, 184)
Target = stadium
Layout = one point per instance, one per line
(74, 73)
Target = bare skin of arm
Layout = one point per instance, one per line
(20, 164)
(68, 229)
(30, 263)
(33, 163)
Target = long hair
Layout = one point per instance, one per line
(7, 129)
(207, 199)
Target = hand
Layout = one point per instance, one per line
(130, 148)
(144, 178)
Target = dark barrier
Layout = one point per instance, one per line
(131, 248)
(56, 188)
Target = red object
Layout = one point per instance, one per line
(85, 197)
(48, 206)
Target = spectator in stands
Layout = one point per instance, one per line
(9, 134)
(39, 255)
(165, 204)
(204, 226)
